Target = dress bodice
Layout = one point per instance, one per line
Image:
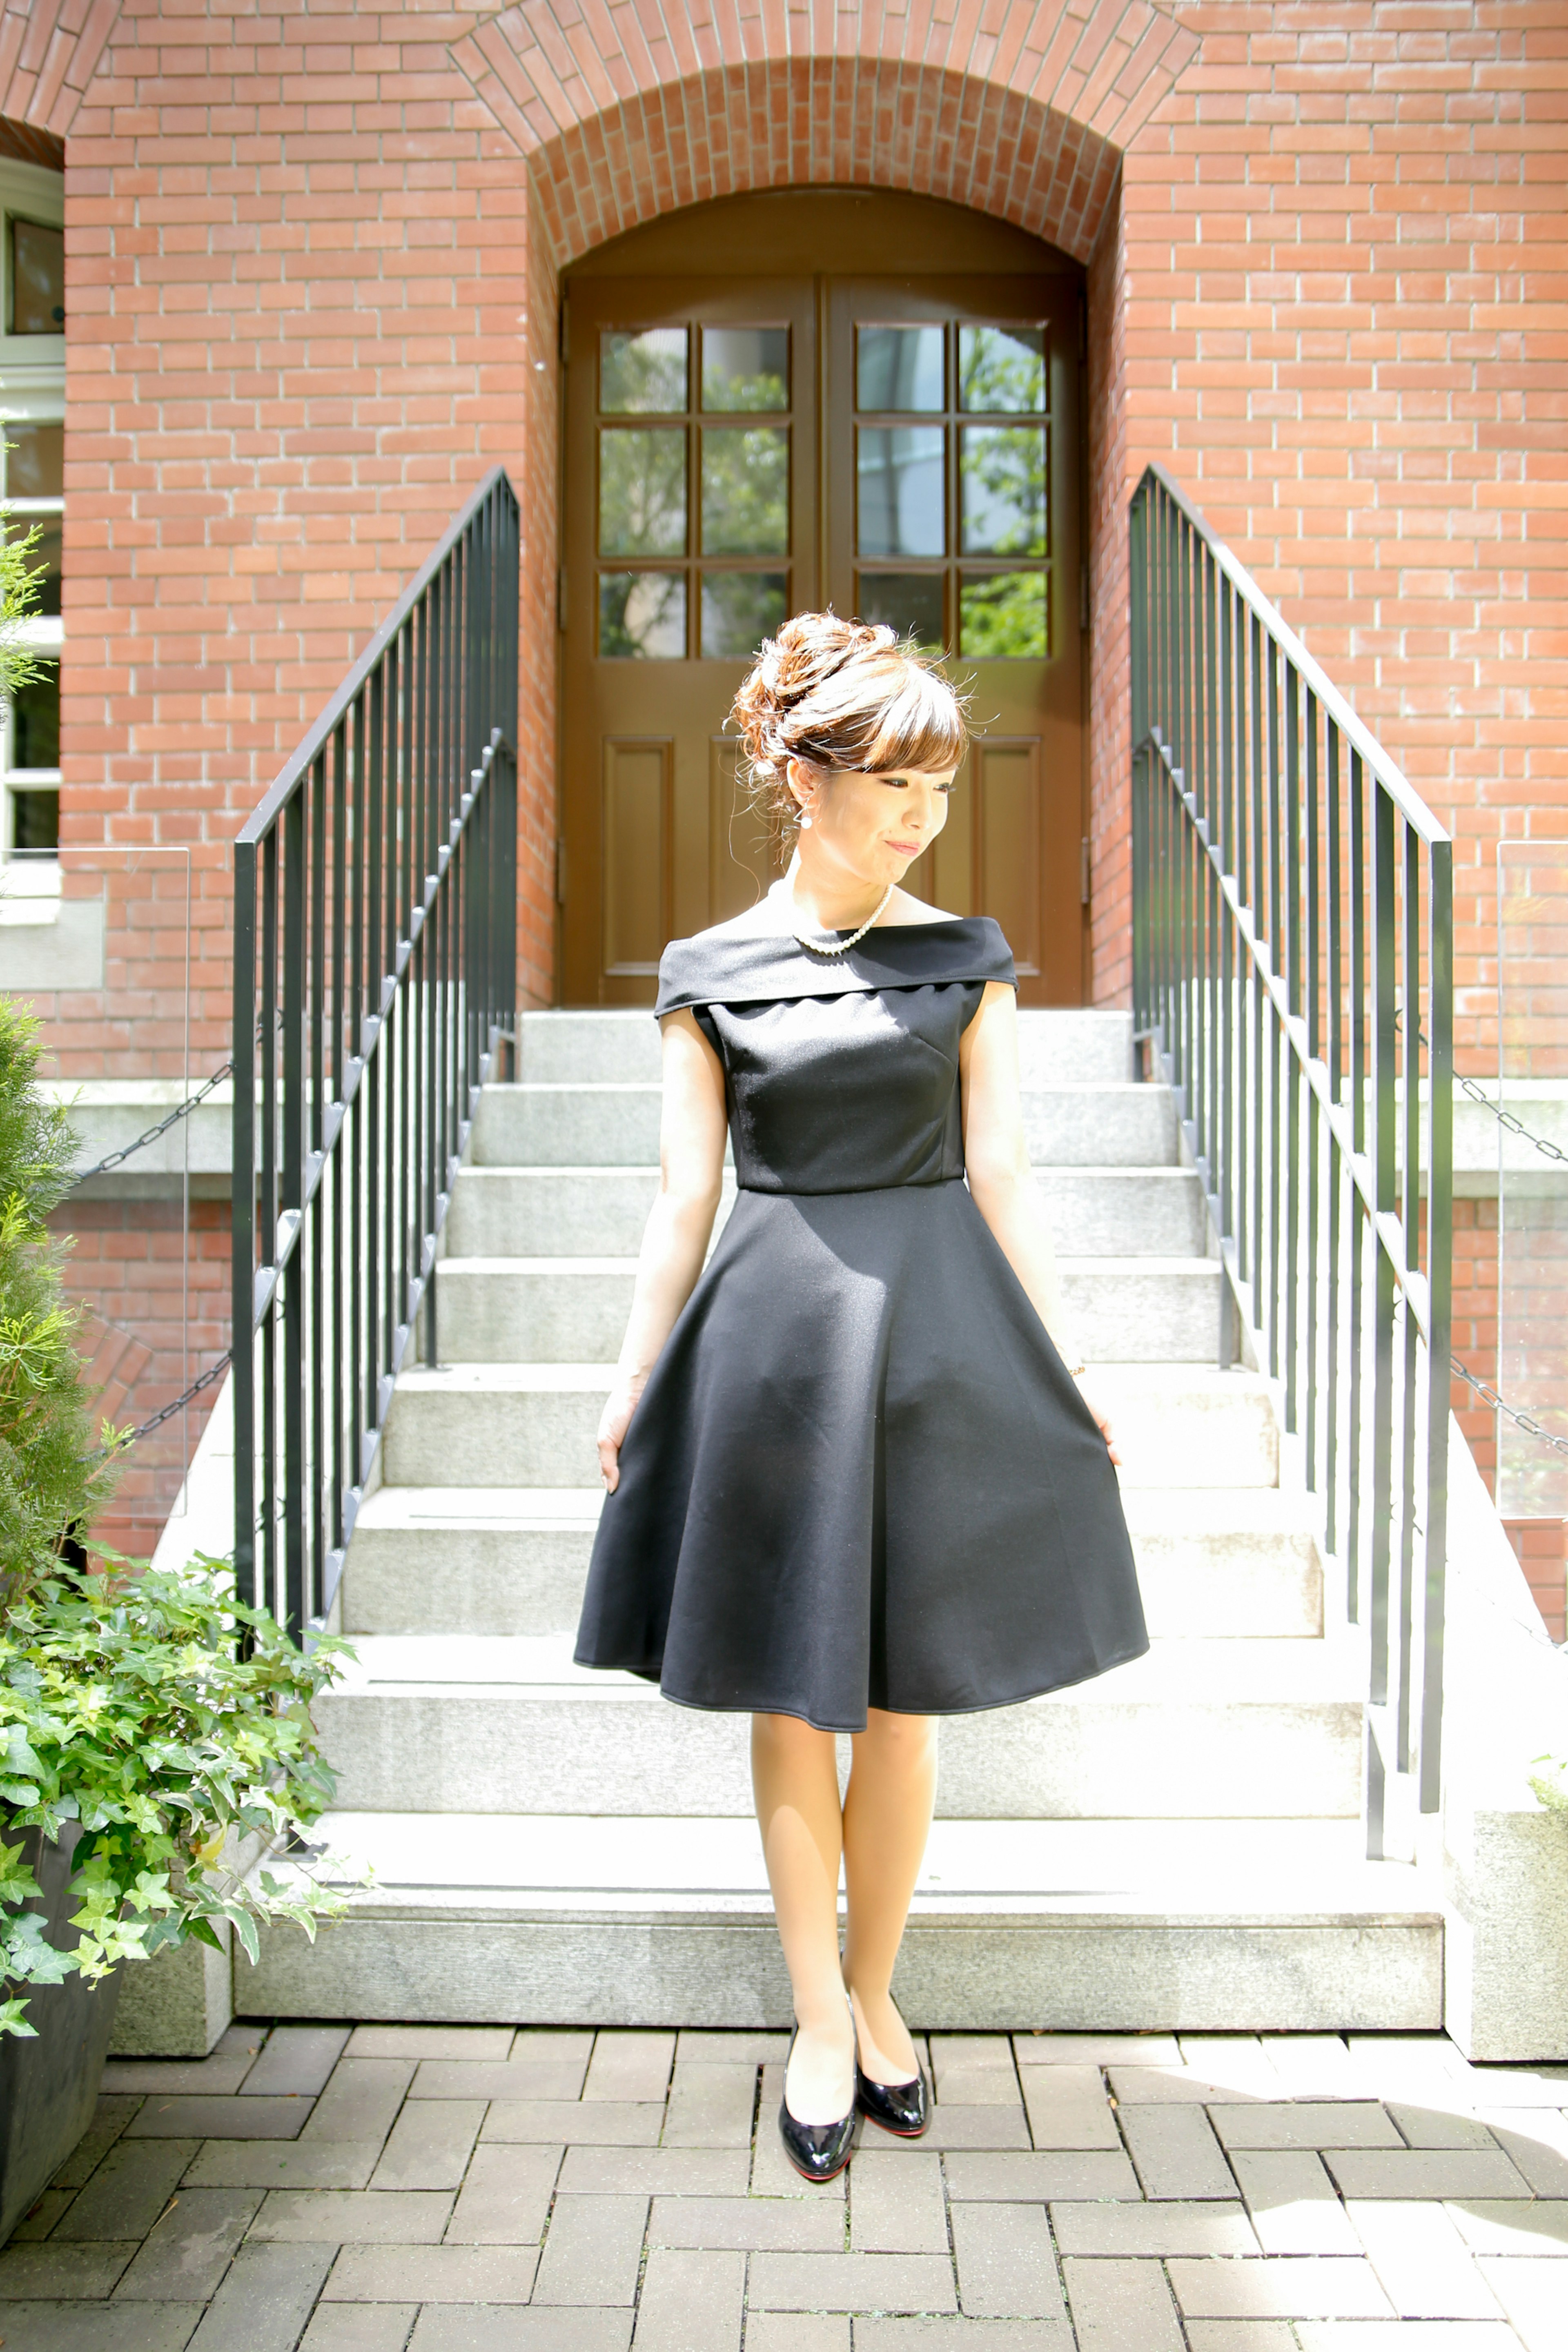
(841, 1074)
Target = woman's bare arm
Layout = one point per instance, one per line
(675, 1239)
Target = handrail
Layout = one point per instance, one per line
(375, 990)
(1295, 983)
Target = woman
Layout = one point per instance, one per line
(852, 1484)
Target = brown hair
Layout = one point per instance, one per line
(843, 696)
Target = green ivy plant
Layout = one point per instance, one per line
(171, 1724)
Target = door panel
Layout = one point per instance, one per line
(637, 848)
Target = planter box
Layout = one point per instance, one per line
(49, 2088)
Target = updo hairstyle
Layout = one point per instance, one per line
(845, 696)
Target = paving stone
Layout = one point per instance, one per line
(1531, 2293)
(128, 2192)
(347, 2217)
(41, 2218)
(507, 2329)
(896, 2202)
(556, 2045)
(1239, 2061)
(1153, 2229)
(302, 2164)
(479, 2042)
(1538, 2145)
(1314, 2066)
(1096, 2049)
(602, 2123)
(961, 2335)
(711, 2105)
(447, 2078)
(496, 2274)
(654, 2172)
(797, 2331)
(752, 2224)
(1514, 2087)
(297, 2061)
(1176, 2153)
(1427, 2270)
(974, 2070)
(890, 2283)
(1032, 2177)
(1414, 2335)
(505, 2198)
(1512, 2227)
(360, 2327)
(1120, 2306)
(98, 2328)
(1415, 2172)
(430, 2145)
(691, 2302)
(1006, 2263)
(1067, 2107)
(265, 2301)
(39, 2273)
(199, 2118)
(1356, 2124)
(1257, 2335)
(185, 2258)
(109, 2119)
(592, 2249)
(224, 2071)
(772, 2175)
(991, 2125)
(1304, 2287)
(1433, 2127)
(1294, 2205)
(362, 2099)
(1424, 2067)
(732, 2048)
(630, 2067)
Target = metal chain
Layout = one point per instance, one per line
(1505, 1119)
(1521, 1421)
(167, 1412)
(180, 1111)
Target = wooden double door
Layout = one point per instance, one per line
(738, 447)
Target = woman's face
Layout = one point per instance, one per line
(867, 828)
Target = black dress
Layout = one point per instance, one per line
(859, 1474)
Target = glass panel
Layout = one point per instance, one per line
(642, 616)
(738, 610)
(36, 820)
(1002, 369)
(899, 473)
(1002, 489)
(1002, 617)
(643, 375)
(898, 368)
(37, 279)
(36, 461)
(642, 491)
(36, 719)
(746, 367)
(42, 557)
(745, 489)
(910, 602)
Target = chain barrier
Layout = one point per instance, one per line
(1521, 1421)
(173, 1119)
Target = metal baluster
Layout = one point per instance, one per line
(1440, 1303)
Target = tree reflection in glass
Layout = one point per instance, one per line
(1002, 489)
(1002, 370)
(745, 368)
(898, 368)
(1002, 617)
(745, 489)
(898, 486)
(643, 375)
(642, 490)
(909, 602)
(642, 616)
(738, 610)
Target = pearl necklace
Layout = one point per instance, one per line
(842, 946)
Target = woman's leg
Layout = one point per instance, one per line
(794, 1776)
(887, 1819)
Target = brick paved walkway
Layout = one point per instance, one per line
(472, 2190)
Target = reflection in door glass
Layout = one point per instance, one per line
(642, 616)
(643, 375)
(898, 368)
(745, 368)
(37, 279)
(1002, 617)
(898, 490)
(642, 491)
(745, 489)
(1002, 479)
(738, 610)
(1002, 369)
(35, 462)
(910, 602)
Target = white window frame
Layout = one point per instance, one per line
(32, 392)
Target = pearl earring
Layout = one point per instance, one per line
(805, 820)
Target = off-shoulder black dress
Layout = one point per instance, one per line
(859, 1474)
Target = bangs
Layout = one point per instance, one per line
(920, 726)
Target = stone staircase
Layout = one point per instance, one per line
(1178, 1844)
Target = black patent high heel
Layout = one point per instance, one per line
(902, 2108)
(817, 2151)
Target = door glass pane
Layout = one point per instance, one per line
(1002, 369)
(899, 484)
(35, 463)
(42, 557)
(36, 719)
(36, 820)
(898, 368)
(643, 375)
(37, 279)
(738, 610)
(642, 616)
(1002, 483)
(745, 490)
(910, 602)
(642, 491)
(746, 367)
(1002, 617)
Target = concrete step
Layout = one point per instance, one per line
(565, 1310)
(600, 1212)
(616, 1126)
(623, 1048)
(498, 1425)
(491, 1724)
(426, 1560)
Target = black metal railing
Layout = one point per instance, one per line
(1293, 969)
(375, 987)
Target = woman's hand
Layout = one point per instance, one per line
(614, 1422)
(1102, 1418)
